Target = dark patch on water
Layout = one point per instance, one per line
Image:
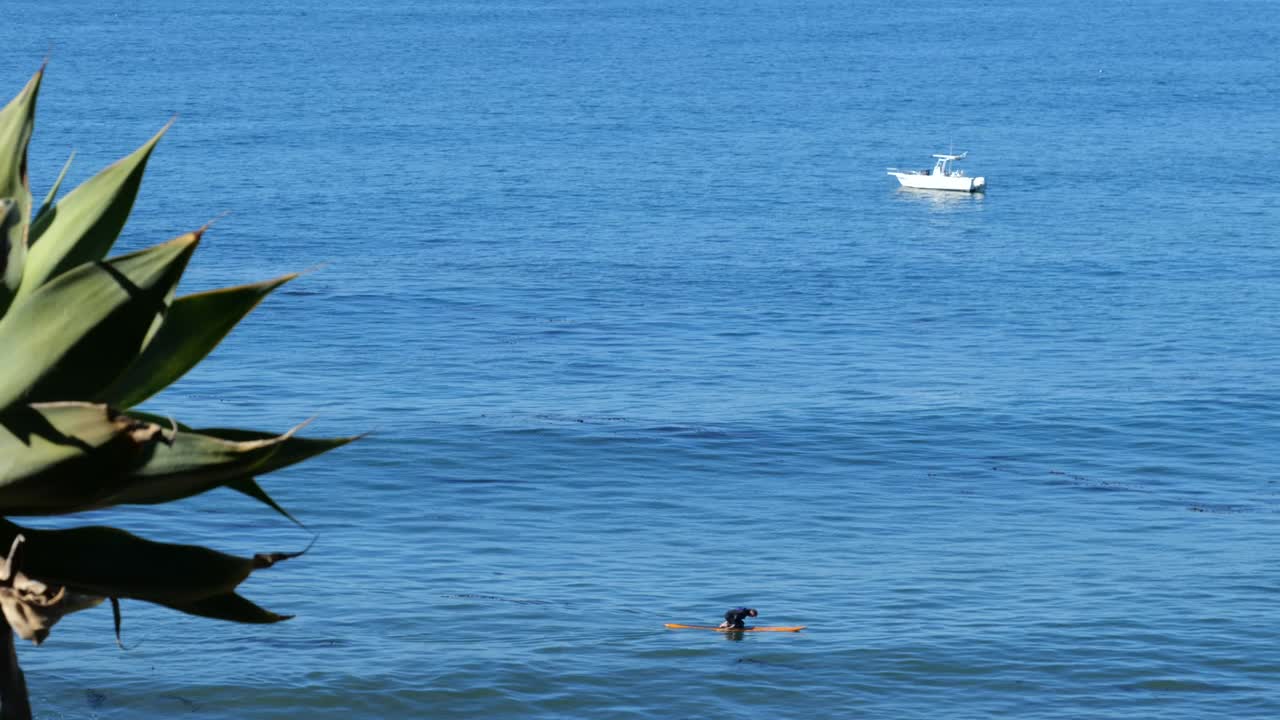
(496, 598)
(692, 431)
(1089, 483)
(758, 661)
(188, 703)
(454, 479)
(584, 419)
(1221, 508)
(1086, 483)
(684, 431)
(1063, 478)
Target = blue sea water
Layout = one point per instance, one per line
(641, 331)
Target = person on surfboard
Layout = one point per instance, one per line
(735, 618)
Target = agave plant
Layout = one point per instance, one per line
(83, 339)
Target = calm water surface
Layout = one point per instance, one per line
(643, 331)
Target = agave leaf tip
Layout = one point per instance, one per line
(287, 277)
(212, 221)
(266, 560)
(294, 430)
(191, 238)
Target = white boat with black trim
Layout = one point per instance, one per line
(943, 176)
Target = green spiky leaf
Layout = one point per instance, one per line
(189, 464)
(65, 455)
(193, 326)
(13, 250)
(292, 450)
(72, 457)
(17, 122)
(76, 326)
(250, 487)
(78, 333)
(83, 227)
(109, 562)
(230, 606)
(43, 215)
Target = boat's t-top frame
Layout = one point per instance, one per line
(943, 165)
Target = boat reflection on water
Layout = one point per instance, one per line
(940, 200)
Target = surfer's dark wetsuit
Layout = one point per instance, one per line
(735, 617)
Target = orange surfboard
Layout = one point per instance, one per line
(757, 628)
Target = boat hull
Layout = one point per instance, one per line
(954, 183)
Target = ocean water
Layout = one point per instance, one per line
(641, 330)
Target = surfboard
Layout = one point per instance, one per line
(757, 628)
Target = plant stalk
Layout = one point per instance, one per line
(14, 703)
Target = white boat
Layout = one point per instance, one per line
(943, 176)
